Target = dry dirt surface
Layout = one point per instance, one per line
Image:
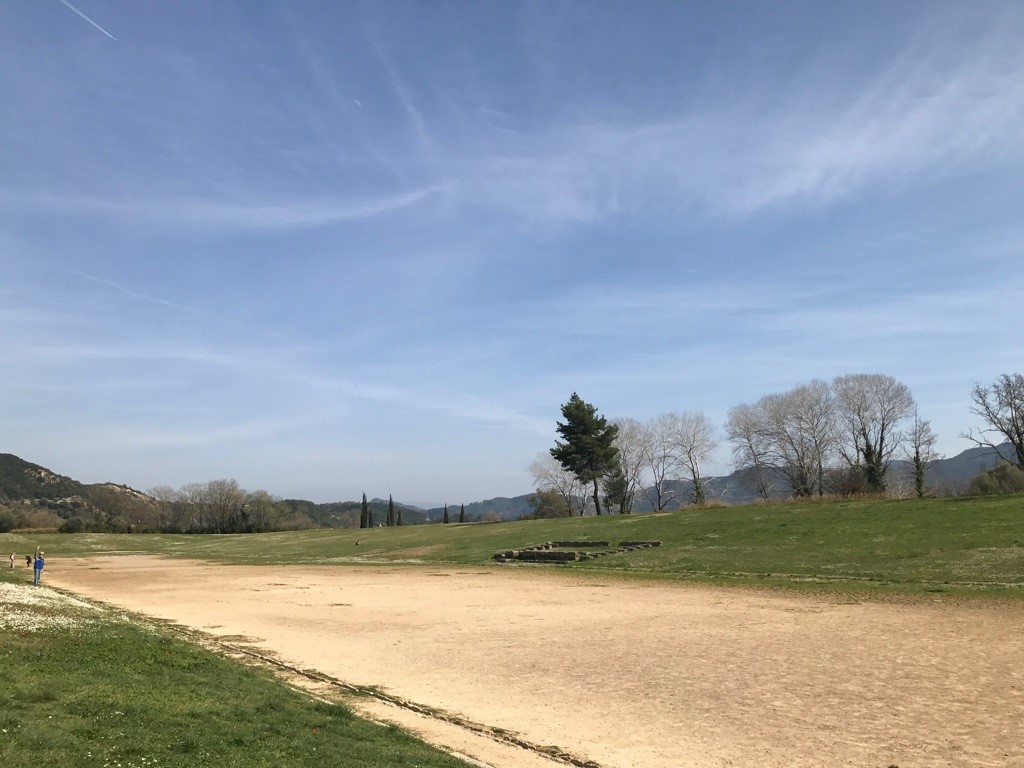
(625, 674)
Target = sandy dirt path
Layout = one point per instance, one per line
(627, 674)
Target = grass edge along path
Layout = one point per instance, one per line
(88, 686)
(304, 678)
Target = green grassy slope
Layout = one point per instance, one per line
(963, 545)
(85, 688)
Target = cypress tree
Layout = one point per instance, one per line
(462, 513)
(391, 511)
(445, 519)
(364, 517)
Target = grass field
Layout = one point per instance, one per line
(962, 545)
(84, 687)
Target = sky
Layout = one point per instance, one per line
(332, 248)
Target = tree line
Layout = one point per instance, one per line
(836, 437)
(221, 506)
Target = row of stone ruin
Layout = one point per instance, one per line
(567, 551)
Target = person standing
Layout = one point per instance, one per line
(38, 569)
(13, 555)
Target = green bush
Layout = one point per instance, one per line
(10, 520)
(1004, 478)
(73, 525)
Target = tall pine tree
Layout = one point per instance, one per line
(391, 511)
(445, 519)
(587, 448)
(364, 517)
(462, 513)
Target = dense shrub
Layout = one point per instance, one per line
(73, 525)
(10, 520)
(1005, 478)
(548, 504)
(845, 482)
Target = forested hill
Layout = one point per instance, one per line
(34, 497)
(500, 507)
(345, 514)
(20, 479)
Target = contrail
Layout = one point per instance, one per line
(101, 29)
(130, 292)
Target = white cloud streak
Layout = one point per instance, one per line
(221, 215)
(101, 29)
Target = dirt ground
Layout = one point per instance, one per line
(625, 674)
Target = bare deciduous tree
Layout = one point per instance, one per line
(1001, 405)
(746, 430)
(166, 516)
(226, 504)
(194, 498)
(660, 459)
(549, 475)
(800, 435)
(871, 407)
(631, 441)
(693, 439)
(674, 446)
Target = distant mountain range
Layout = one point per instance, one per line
(30, 488)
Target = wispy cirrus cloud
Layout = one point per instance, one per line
(168, 438)
(919, 115)
(133, 293)
(64, 353)
(814, 143)
(216, 214)
(808, 141)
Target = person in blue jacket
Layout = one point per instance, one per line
(38, 566)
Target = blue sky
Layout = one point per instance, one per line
(326, 248)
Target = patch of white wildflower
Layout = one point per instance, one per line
(32, 609)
